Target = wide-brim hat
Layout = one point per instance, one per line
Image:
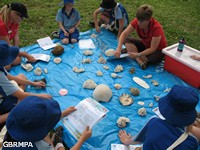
(32, 119)
(7, 53)
(20, 8)
(178, 106)
(108, 4)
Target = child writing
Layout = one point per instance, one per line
(69, 20)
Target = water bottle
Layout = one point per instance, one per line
(181, 44)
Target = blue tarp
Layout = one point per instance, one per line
(61, 76)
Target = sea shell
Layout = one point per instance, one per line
(142, 111)
(86, 61)
(140, 103)
(122, 122)
(117, 86)
(156, 98)
(27, 67)
(132, 70)
(147, 76)
(89, 84)
(57, 60)
(126, 99)
(167, 90)
(101, 60)
(38, 71)
(110, 52)
(150, 104)
(102, 93)
(45, 70)
(99, 73)
(114, 75)
(119, 68)
(88, 52)
(154, 82)
(106, 67)
(134, 91)
(75, 69)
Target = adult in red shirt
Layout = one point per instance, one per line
(11, 16)
(152, 40)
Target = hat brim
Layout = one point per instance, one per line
(33, 134)
(13, 53)
(178, 118)
(108, 6)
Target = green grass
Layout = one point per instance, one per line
(178, 18)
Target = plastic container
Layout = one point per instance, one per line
(181, 44)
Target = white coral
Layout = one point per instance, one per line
(38, 71)
(126, 99)
(88, 52)
(142, 111)
(27, 67)
(117, 86)
(99, 73)
(101, 60)
(110, 52)
(122, 122)
(80, 70)
(57, 60)
(119, 68)
(106, 67)
(89, 84)
(87, 60)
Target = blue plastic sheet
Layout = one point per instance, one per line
(61, 76)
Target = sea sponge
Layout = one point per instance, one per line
(102, 93)
(58, 50)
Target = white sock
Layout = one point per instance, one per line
(58, 145)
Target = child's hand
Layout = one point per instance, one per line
(72, 30)
(68, 111)
(66, 34)
(86, 133)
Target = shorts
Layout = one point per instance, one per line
(156, 57)
(73, 35)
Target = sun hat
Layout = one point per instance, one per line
(20, 8)
(7, 53)
(32, 119)
(108, 4)
(178, 106)
(68, 1)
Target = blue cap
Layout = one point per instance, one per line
(68, 1)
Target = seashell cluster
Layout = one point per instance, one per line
(88, 52)
(57, 60)
(38, 71)
(89, 84)
(126, 99)
(134, 91)
(122, 122)
(114, 75)
(142, 111)
(27, 67)
(119, 68)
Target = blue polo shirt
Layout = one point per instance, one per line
(158, 134)
(70, 20)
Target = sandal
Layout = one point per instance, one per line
(143, 65)
(55, 34)
(58, 135)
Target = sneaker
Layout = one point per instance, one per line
(58, 135)
(91, 24)
(55, 34)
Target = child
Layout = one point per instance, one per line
(113, 14)
(69, 20)
(31, 121)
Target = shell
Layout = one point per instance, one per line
(117, 86)
(156, 98)
(151, 104)
(88, 52)
(45, 70)
(106, 67)
(99, 73)
(154, 82)
(102, 93)
(101, 60)
(57, 60)
(132, 70)
(134, 91)
(126, 99)
(119, 68)
(114, 75)
(27, 67)
(38, 71)
(110, 52)
(87, 60)
(142, 111)
(75, 69)
(89, 84)
(122, 122)
(148, 76)
(167, 90)
(140, 103)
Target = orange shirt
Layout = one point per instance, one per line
(154, 30)
(10, 31)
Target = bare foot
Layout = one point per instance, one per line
(195, 57)
(125, 138)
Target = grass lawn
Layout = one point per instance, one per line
(178, 18)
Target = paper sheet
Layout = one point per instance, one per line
(46, 43)
(86, 44)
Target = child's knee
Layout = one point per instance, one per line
(21, 76)
(73, 40)
(65, 41)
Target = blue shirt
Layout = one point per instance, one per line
(158, 134)
(70, 20)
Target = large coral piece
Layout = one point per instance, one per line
(102, 93)
(38, 71)
(122, 122)
(119, 68)
(110, 52)
(134, 91)
(27, 67)
(58, 50)
(126, 99)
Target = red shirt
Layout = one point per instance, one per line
(154, 30)
(10, 31)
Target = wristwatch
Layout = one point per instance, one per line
(138, 54)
